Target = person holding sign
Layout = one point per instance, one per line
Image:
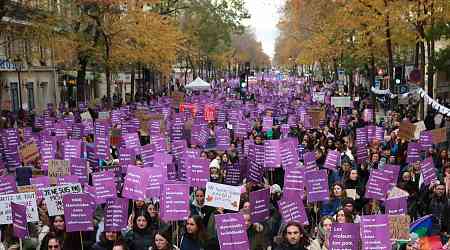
(195, 237)
(140, 236)
(57, 230)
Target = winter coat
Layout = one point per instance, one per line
(139, 239)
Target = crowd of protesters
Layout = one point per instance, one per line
(147, 230)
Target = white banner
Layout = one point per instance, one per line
(27, 199)
(54, 197)
(341, 101)
(222, 196)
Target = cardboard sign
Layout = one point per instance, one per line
(58, 168)
(407, 131)
(316, 115)
(439, 135)
(399, 227)
(222, 196)
(29, 153)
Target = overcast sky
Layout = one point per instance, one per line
(264, 21)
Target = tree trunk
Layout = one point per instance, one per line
(390, 53)
(133, 76)
(81, 78)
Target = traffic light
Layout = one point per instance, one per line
(398, 74)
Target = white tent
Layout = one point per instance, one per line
(198, 84)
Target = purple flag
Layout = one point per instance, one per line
(135, 184)
(259, 205)
(8, 185)
(374, 232)
(174, 202)
(317, 185)
(116, 214)
(231, 232)
(428, 171)
(78, 212)
(105, 186)
(397, 206)
(344, 236)
(292, 209)
(19, 220)
(272, 158)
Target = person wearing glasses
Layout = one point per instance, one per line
(53, 242)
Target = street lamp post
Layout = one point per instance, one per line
(18, 64)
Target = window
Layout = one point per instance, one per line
(30, 91)
(15, 96)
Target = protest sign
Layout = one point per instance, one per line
(332, 160)
(231, 232)
(294, 180)
(157, 176)
(28, 199)
(103, 115)
(116, 214)
(58, 168)
(399, 227)
(341, 101)
(373, 230)
(7, 185)
(174, 202)
(292, 209)
(317, 186)
(272, 158)
(19, 220)
(199, 172)
(105, 186)
(259, 205)
(407, 131)
(377, 185)
(344, 236)
(439, 135)
(135, 183)
(318, 97)
(78, 212)
(222, 196)
(29, 152)
(428, 171)
(54, 197)
(396, 206)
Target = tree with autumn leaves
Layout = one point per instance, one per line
(363, 34)
(115, 36)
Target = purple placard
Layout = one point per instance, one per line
(222, 139)
(294, 180)
(361, 136)
(231, 231)
(259, 205)
(78, 167)
(199, 172)
(116, 214)
(78, 212)
(147, 152)
(362, 154)
(272, 158)
(397, 206)
(371, 129)
(317, 185)
(40, 182)
(127, 156)
(178, 147)
(160, 143)
(292, 209)
(8, 185)
(157, 176)
(102, 147)
(288, 153)
(135, 184)
(344, 236)
(174, 202)
(309, 159)
(267, 123)
(19, 220)
(377, 185)
(332, 160)
(66, 180)
(131, 141)
(393, 171)
(413, 153)
(72, 149)
(379, 134)
(426, 140)
(255, 172)
(368, 115)
(105, 186)
(428, 171)
(374, 232)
